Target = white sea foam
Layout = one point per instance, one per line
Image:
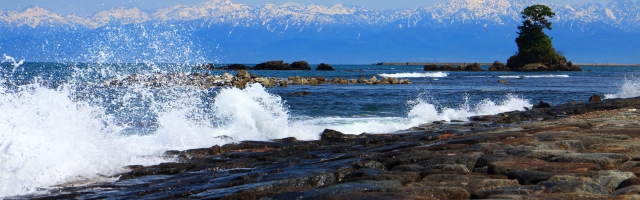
(536, 76)
(509, 77)
(630, 88)
(416, 75)
(47, 139)
(548, 76)
(424, 112)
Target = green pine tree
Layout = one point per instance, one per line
(534, 46)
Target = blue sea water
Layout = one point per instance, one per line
(59, 123)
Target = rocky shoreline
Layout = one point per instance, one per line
(572, 151)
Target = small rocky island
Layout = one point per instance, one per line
(535, 50)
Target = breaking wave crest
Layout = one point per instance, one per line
(424, 112)
(629, 89)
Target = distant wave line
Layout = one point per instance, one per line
(416, 75)
(537, 76)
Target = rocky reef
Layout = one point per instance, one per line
(579, 150)
(449, 67)
(240, 80)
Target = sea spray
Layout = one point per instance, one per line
(13, 62)
(630, 88)
(141, 44)
(424, 112)
(50, 136)
(48, 139)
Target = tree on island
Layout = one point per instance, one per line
(535, 51)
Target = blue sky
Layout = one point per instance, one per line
(88, 7)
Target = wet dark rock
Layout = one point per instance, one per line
(447, 68)
(431, 67)
(595, 98)
(286, 140)
(408, 167)
(300, 65)
(543, 104)
(162, 169)
(325, 67)
(628, 182)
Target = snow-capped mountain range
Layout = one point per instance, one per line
(236, 25)
(622, 14)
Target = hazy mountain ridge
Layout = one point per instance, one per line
(622, 14)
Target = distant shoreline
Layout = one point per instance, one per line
(485, 64)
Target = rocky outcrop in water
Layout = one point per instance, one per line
(325, 67)
(448, 67)
(281, 65)
(431, 67)
(498, 66)
(300, 65)
(572, 151)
